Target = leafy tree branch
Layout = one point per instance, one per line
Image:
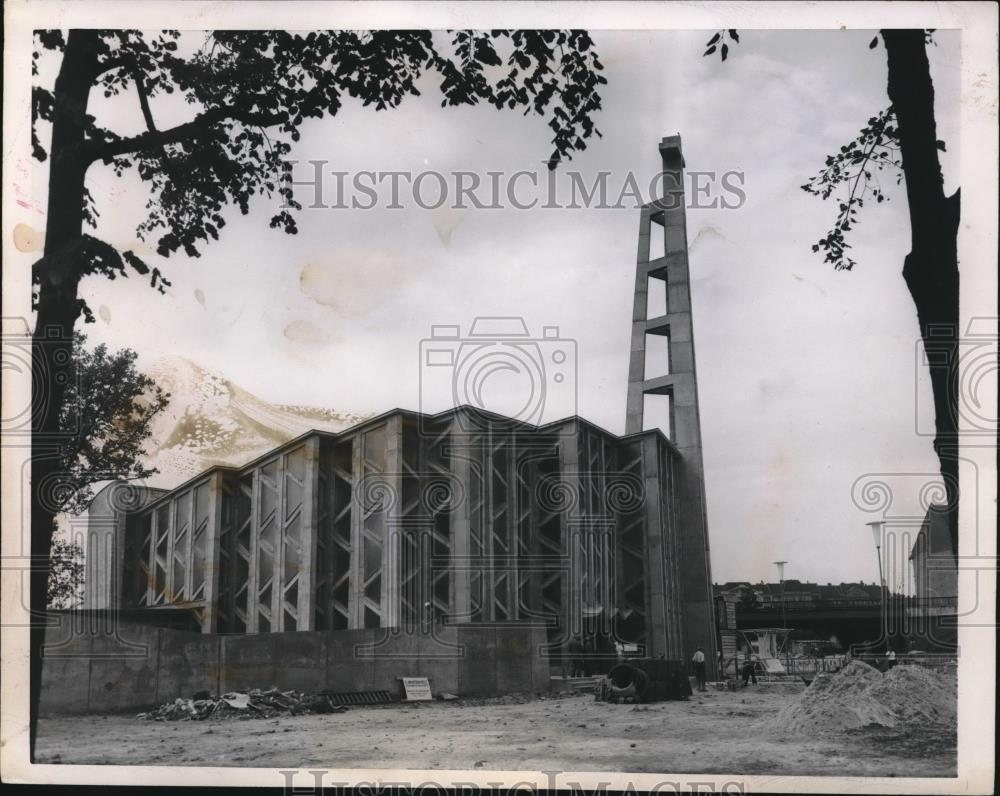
(854, 171)
(106, 420)
(66, 574)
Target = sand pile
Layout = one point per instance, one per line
(918, 695)
(859, 696)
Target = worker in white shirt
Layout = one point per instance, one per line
(698, 659)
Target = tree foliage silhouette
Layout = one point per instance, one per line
(106, 422)
(66, 572)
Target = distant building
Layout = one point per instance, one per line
(841, 614)
(795, 594)
(935, 573)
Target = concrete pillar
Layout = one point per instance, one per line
(252, 614)
(278, 561)
(527, 503)
(170, 592)
(187, 552)
(213, 569)
(569, 477)
(102, 551)
(355, 606)
(392, 521)
(637, 350)
(461, 546)
(656, 543)
(310, 535)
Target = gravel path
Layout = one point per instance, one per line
(713, 732)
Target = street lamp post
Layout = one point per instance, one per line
(784, 624)
(876, 528)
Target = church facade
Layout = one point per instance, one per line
(407, 519)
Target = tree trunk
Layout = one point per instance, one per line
(931, 267)
(59, 277)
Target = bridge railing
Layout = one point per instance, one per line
(848, 604)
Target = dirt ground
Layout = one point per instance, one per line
(717, 731)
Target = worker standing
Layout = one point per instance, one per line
(698, 659)
(576, 656)
(588, 655)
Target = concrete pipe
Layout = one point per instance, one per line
(628, 681)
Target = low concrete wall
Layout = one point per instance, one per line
(126, 666)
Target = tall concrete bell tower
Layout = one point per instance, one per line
(676, 380)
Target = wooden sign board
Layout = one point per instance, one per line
(417, 688)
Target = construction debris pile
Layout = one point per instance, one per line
(256, 704)
(860, 696)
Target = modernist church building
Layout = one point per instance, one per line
(458, 518)
(461, 517)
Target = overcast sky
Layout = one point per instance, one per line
(808, 378)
